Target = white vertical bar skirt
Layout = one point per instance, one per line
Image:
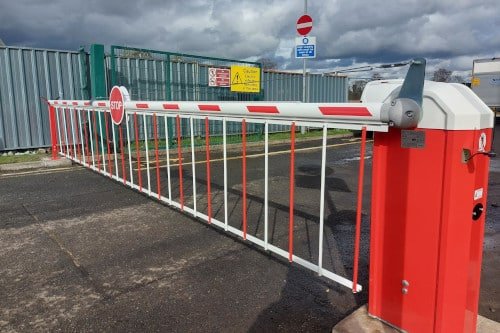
(91, 138)
(167, 148)
(114, 147)
(63, 114)
(82, 139)
(193, 165)
(266, 179)
(322, 202)
(224, 142)
(72, 122)
(102, 141)
(147, 151)
(59, 130)
(129, 152)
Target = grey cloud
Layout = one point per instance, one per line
(448, 32)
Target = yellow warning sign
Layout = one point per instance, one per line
(476, 81)
(245, 79)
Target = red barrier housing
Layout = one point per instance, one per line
(429, 190)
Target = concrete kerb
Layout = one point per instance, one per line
(44, 163)
(361, 322)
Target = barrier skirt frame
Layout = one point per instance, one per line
(88, 149)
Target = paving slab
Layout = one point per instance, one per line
(361, 322)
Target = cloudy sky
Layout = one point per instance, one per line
(449, 33)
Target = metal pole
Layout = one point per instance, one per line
(53, 129)
(304, 98)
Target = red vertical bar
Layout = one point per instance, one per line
(87, 154)
(96, 144)
(292, 191)
(124, 173)
(179, 156)
(139, 175)
(358, 210)
(68, 119)
(244, 180)
(53, 131)
(77, 129)
(207, 149)
(110, 166)
(158, 184)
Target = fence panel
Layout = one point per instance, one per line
(27, 76)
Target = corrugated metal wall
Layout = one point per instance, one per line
(286, 86)
(26, 76)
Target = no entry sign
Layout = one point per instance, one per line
(117, 97)
(304, 25)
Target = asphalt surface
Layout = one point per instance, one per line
(80, 252)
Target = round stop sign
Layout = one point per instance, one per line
(304, 25)
(117, 97)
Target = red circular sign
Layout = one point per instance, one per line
(116, 105)
(304, 25)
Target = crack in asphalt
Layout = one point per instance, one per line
(67, 253)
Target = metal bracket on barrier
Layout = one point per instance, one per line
(405, 110)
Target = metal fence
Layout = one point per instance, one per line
(152, 75)
(27, 76)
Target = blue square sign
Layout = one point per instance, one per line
(305, 47)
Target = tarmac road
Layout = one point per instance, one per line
(80, 252)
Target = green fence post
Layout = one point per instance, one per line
(98, 82)
(84, 79)
(113, 67)
(97, 69)
(260, 97)
(168, 91)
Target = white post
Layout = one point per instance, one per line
(72, 122)
(63, 114)
(225, 172)
(266, 186)
(304, 97)
(59, 130)
(322, 202)
(114, 149)
(145, 125)
(193, 166)
(102, 142)
(91, 139)
(129, 151)
(167, 148)
(82, 139)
